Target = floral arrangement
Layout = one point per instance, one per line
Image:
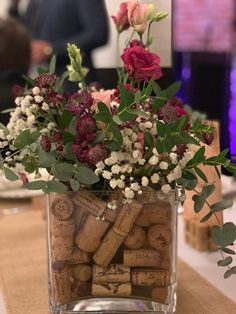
(129, 138)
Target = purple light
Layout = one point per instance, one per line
(232, 110)
(186, 73)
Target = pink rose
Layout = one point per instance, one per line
(104, 97)
(121, 19)
(138, 15)
(141, 64)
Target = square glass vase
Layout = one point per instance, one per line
(105, 256)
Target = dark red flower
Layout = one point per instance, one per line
(46, 80)
(96, 154)
(181, 149)
(55, 98)
(80, 151)
(86, 128)
(172, 110)
(45, 143)
(141, 64)
(79, 102)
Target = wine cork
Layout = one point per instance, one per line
(60, 283)
(159, 237)
(88, 239)
(79, 257)
(142, 291)
(160, 294)
(89, 202)
(62, 227)
(212, 246)
(142, 258)
(192, 233)
(136, 238)
(80, 289)
(112, 273)
(150, 277)
(80, 216)
(148, 196)
(62, 247)
(202, 236)
(156, 213)
(111, 289)
(111, 214)
(81, 272)
(165, 262)
(108, 248)
(62, 207)
(125, 219)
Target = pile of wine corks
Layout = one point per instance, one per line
(99, 252)
(198, 235)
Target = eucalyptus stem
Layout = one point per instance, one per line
(148, 35)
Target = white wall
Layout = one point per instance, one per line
(106, 57)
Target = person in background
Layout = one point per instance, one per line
(52, 24)
(14, 62)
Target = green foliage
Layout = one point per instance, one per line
(224, 235)
(86, 176)
(10, 175)
(26, 138)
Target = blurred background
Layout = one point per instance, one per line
(196, 44)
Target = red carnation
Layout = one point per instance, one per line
(141, 64)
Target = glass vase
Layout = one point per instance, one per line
(109, 257)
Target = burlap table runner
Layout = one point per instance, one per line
(23, 272)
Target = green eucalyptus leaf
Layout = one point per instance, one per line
(206, 217)
(219, 206)
(46, 159)
(26, 138)
(224, 235)
(66, 118)
(198, 158)
(63, 171)
(227, 250)
(230, 272)
(112, 145)
(225, 262)
(10, 175)
(86, 176)
(35, 185)
(30, 163)
(56, 186)
(68, 152)
(75, 185)
(126, 115)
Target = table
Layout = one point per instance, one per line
(23, 272)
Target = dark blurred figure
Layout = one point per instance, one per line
(14, 61)
(52, 24)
